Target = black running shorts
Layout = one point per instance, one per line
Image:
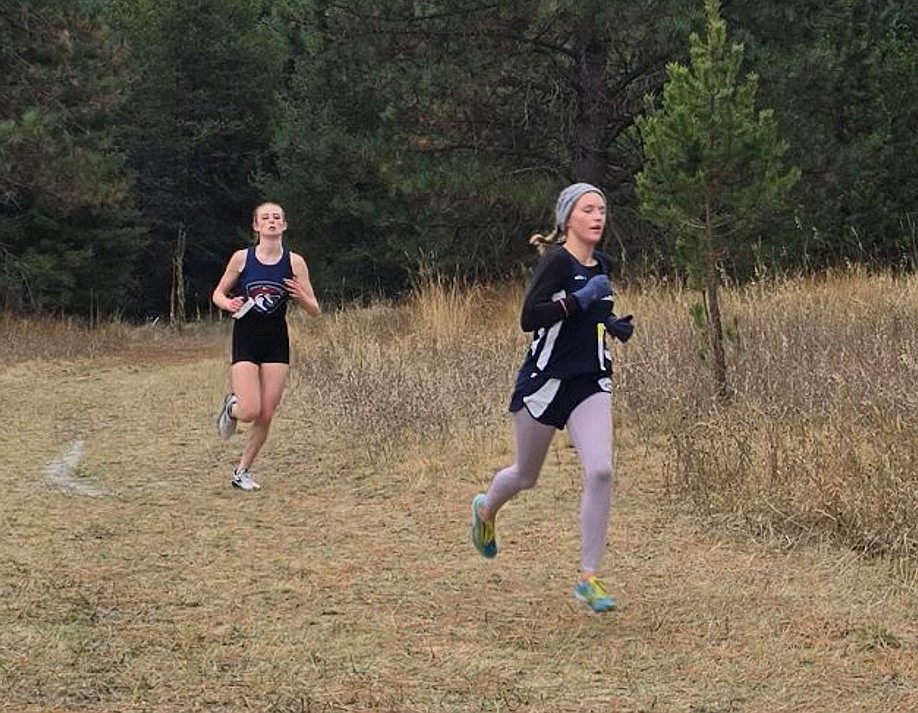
(551, 401)
(261, 341)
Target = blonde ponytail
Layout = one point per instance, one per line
(543, 242)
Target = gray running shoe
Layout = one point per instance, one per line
(244, 480)
(226, 424)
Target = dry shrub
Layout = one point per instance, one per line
(806, 479)
(818, 440)
(49, 339)
(23, 339)
(820, 437)
(657, 372)
(398, 380)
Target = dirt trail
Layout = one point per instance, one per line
(345, 586)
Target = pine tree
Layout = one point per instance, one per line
(67, 242)
(439, 134)
(713, 165)
(197, 125)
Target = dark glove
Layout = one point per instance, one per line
(594, 290)
(621, 327)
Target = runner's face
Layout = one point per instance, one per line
(269, 220)
(587, 219)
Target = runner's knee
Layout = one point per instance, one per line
(600, 475)
(527, 481)
(246, 412)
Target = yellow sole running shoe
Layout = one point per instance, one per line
(593, 593)
(482, 532)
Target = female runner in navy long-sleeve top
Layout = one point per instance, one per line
(565, 380)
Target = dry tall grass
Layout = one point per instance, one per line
(401, 380)
(48, 339)
(821, 437)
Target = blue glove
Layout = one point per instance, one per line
(594, 290)
(620, 327)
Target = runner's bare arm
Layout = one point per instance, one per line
(300, 288)
(230, 277)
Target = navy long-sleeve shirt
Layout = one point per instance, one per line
(566, 340)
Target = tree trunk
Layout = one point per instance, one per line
(177, 301)
(591, 111)
(715, 324)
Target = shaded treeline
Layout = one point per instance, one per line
(137, 135)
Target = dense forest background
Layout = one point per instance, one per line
(401, 137)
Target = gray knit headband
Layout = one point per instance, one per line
(569, 196)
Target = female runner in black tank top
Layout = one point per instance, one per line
(260, 279)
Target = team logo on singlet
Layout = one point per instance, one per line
(268, 296)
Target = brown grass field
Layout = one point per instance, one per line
(763, 551)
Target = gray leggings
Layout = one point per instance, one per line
(590, 426)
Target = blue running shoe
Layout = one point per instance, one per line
(594, 595)
(482, 531)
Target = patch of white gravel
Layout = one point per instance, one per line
(61, 473)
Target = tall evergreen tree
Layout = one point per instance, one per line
(841, 72)
(439, 132)
(713, 164)
(196, 128)
(66, 236)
